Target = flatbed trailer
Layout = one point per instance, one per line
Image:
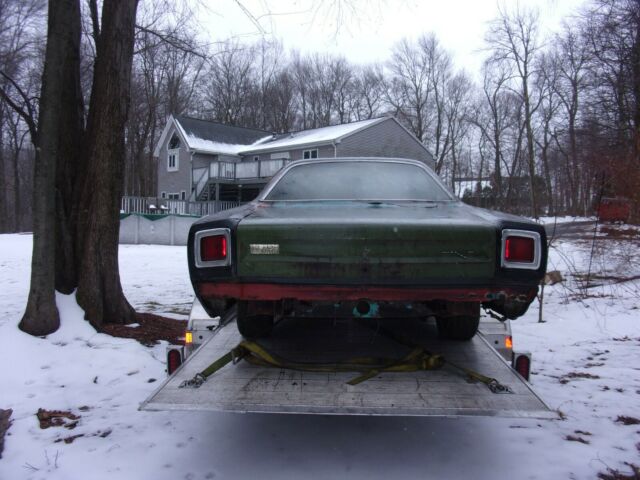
(243, 387)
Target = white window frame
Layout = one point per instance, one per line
(183, 194)
(163, 194)
(173, 196)
(310, 152)
(176, 153)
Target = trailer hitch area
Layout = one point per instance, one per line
(195, 382)
(497, 387)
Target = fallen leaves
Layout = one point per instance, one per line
(57, 418)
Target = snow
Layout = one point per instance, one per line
(564, 219)
(209, 146)
(596, 334)
(316, 135)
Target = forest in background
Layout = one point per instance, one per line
(550, 124)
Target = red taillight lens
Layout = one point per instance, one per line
(174, 360)
(213, 248)
(523, 366)
(519, 249)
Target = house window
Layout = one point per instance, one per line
(183, 195)
(173, 161)
(174, 143)
(174, 196)
(163, 195)
(308, 154)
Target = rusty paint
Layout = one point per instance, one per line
(271, 291)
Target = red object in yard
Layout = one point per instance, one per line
(615, 209)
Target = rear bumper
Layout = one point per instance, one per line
(274, 292)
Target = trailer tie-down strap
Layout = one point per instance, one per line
(418, 359)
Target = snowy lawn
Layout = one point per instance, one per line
(586, 361)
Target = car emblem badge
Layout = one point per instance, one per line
(264, 248)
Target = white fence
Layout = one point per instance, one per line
(163, 206)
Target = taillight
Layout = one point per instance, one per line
(213, 248)
(521, 249)
(174, 360)
(522, 365)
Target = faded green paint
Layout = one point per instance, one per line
(373, 244)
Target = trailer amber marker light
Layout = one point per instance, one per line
(213, 247)
(188, 338)
(508, 342)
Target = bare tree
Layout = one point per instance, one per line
(99, 288)
(409, 90)
(63, 39)
(369, 88)
(513, 39)
(229, 89)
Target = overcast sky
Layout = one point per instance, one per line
(365, 31)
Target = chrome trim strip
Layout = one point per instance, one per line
(199, 263)
(537, 249)
(276, 178)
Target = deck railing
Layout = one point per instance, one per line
(153, 205)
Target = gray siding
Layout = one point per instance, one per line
(324, 151)
(174, 182)
(385, 139)
(201, 160)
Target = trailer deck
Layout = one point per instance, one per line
(243, 387)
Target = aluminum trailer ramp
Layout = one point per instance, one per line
(446, 392)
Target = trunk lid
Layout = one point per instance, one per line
(366, 243)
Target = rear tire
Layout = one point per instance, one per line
(461, 327)
(253, 326)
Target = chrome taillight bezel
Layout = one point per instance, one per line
(537, 249)
(199, 263)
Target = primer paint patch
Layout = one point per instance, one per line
(264, 248)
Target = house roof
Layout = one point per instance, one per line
(313, 136)
(212, 137)
(219, 132)
(205, 136)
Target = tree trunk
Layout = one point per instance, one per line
(17, 209)
(99, 289)
(4, 211)
(41, 316)
(70, 169)
(531, 159)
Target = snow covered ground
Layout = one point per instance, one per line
(586, 361)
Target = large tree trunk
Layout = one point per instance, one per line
(4, 211)
(99, 289)
(70, 169)
(41, 316)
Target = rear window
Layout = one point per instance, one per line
(358, 181)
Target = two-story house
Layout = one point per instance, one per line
(200, 160)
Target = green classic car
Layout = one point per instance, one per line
(364, 238)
